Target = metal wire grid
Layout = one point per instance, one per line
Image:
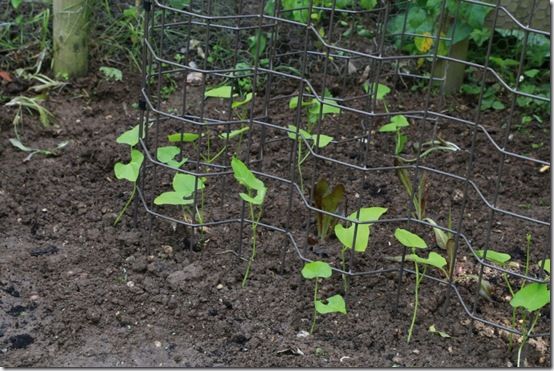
(204, 24)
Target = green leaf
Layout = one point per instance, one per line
(172, 198)
(167, 153)
(368, 214)
(16, 3)
(397, 122)
(433, 330)
(182, 137)
(382, 90)
(258, 199)
(316, 269)
(324, 140)
(441, 236)
(335, 304)
(233, 133)
(498, 105)
(494, 256)
(130, 137)
(433, 259)
(246, 178)
(303, 133)
(409, 239)
(131, 170)
(531, 73)
(368, 4)
(112, 73)
(224, 91)
(293, 102)
(327, 108)
(546, 263)
(184, 184)
(346, 236)
(247, 99)
(531, 297)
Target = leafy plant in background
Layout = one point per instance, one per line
(335, 304)
(422, 18)
(356, 236)
(112, 73)
(131, 170)
(414, 242)
(328, 200)
(254, 197)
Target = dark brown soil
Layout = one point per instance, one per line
(77, 291)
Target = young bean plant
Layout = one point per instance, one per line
(357, 235)
(131, 170)
(254, 197)
(335, 304)
(414, 242)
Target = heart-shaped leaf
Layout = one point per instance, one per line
(316, 269)
(335, 304)
(184, 184)
(172, 198)
(130, 137)
(246, 178)
(324, 140)
(531, 297)
(239, 103)
(368, 214)
(409, 239)
(224, 91)
(494, 256)
(433, 259)
(397, 122)
(131, 170)
(346, 236)
(167, 154)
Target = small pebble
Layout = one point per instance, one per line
(219, 287)
(130, 284)
(303, 334)
(158, 344)
(34, 297)
(415, 351)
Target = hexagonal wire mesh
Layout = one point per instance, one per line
(341, 59)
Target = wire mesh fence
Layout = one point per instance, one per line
(379, 100)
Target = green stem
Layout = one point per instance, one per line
(312, 328)
(343, 266)
(120, 215)
(253, 239)
(416, 304)
(526, 337)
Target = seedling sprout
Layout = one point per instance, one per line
(335, 304)
(255, 195)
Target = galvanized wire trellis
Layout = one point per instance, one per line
(277, 54)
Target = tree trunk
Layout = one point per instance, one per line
(71, 25)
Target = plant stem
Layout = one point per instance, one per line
(526, 337)
(300, 165)
(253, 239)
(312, 328)
(343, 266)
(120, 215)
(416, 304)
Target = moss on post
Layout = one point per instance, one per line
(71, 25)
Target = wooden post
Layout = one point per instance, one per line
(455, 73)
(71, 25)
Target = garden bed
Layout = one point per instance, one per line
(77, 291)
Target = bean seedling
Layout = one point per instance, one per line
(131, 170)
(357, 235)
(335, 304)
(414, 242)
(255, 195)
